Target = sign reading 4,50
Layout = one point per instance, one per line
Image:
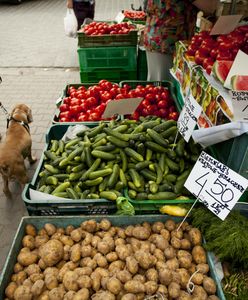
(215, 185)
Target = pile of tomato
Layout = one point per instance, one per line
(84, 104)
(100, 28)
(135, 15)
(206, 48)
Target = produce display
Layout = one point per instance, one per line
(134, 15)
(101, 28)
(230, 248)
(88, 104)
(239, 82)
(207, 48)
(102, 160)
(99, 261)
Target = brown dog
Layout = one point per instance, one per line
(16, 147)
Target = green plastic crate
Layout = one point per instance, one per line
(39, 222)
(141, 65)
(67, 206)
(108, 74)
(96, 59)
(107, 40)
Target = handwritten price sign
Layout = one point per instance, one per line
(240, 105)
(188, 117)
(217, 186)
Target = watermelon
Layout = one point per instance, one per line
(239, 82)
(221, 69)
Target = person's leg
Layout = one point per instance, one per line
(80, 12)
(158, 65)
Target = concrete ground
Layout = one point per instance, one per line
(37, 60)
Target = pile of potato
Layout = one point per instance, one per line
(103, 262)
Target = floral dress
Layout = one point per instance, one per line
(167, 22)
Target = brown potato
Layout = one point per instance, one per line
(36, 276)
(23, 293)
(61, 230)
(152, 275)
(129, 296)
(69, 295)
(140, 278)
(10, 290)
(132, 265)
(165, 276)
(33, 268)
(27, 282)
(151, 287)
(129, 230)
(203, 268)
(209, 285)
(185, 262)
(83, 271)
(195, 236)
(51, 252)
(200, 293)
(70, 281)
(28, 241)
(213, 297)
(112, 231)
(103, 247)
(185, 244)
(67, 252)
(27, 257)
(18, 267)
(86, 251)
(162, 289)
(30, 230)
(75, 253)
(172, 264)
(165, 233)
(199, 255)
(82, 294)
(56, 294)
(69, 229)
(87, 238)
(159, 254)
(157, 227)
(112, 256)
(105, 224)
(116, 266)
(51, 282)
(160, 242)
(56, 236)
(101, 260)
(40, 240)
(38, 287)
(76, 234)
(41, 264)
(114, 285)
(184, 277)
(89, 226)
(192, 268)
(174, 290)
(175, 243)
(124, 276)
(42, 231)
(95, 240)
(51, 271)
(170, 225)
(134, 287)
(197, 278)
(110, 241)
(141, 233)
(184, 296)
(121, 233)
(177, 233)
(160, 265)
(122, 252)
(176, 277)
(66, 240)
(50, 228)
(169, 252)
(119, 242)
(96, 281)
(145, 259)
(103, 295)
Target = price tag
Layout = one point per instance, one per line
(240, 105)
(121, 107)
(217, 186)
(188, 117)
(120, 17)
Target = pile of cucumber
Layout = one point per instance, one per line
(101, 161)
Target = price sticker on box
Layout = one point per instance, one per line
(215, 185)
(240, 105)
(188, 117)
(120, 17)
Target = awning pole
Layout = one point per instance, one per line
(233, 7)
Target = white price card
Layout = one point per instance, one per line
(215, 185)
(121, 107)
(240, 105)
(120, 17)
(188, 117)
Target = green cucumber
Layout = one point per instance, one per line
(96, 130)
(94, 182)
(108, 195)
(117, 142)
(62, 187)
(155, 147)
(100, 173)
(51, 180)
(135, 155)
(157, 138)
(103, 155)
(135, 177)
(162, 196)
(114, 176)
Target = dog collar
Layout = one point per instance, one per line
(25, 125)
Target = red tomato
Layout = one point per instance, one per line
(75, 101)
(135, 116)
(214, 53)
(105, 96)
(119, 96)
(64, 119)
(74, 110)
(64, 107)
(151, 109)
(163, 112)
(64, 114)
(150, 97)
(67, 100)
(162, 104)
(165, 94)
(199, 57)
(173, 115)
(91, 102)
(145, 112)
(94, 116)
(83, 118)
(207, 62)
(145, 103)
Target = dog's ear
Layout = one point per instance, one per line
(29, 116)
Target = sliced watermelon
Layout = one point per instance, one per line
(239, 82)
(221, 69)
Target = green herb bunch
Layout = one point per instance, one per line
(235, 287)
(227, 239)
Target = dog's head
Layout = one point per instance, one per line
(22, 111)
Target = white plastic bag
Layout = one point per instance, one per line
(70, 23)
